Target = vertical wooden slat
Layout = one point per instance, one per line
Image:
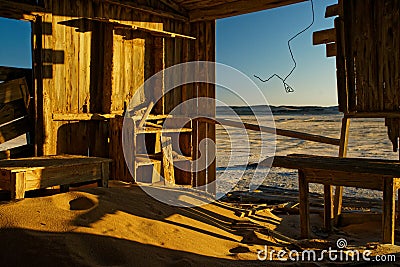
(195, 141)
(341, 67)
(158, 48)
(347, 15)
(201, 107)
(74, 58)
(84, 60)
(108, 68)
(177, 93)
(38, 85)
(211, 151)
(47, 95)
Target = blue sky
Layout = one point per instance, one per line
(15, 46)
(257, 44)
(254, 44)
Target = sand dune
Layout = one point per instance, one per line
(122, 226)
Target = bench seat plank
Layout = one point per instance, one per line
(354, 165)
(24, 174)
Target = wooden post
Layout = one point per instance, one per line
(344, 139)
(303, 206)
(17, 185)
(388, 210)
(328, 211)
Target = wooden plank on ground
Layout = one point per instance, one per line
(168, 163)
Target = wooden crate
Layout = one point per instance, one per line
(20, 175)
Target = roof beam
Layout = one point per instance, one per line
(238, 7)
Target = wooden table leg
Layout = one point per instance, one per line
(328, 207)
(105, 173)
(64, 188)
(388, 210)
(17, 185)
(304, 206)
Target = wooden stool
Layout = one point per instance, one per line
(372, 174)
(20, 175)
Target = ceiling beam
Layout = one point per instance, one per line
(237, 8)
(176, 7)
(147, 9)
(14, 10)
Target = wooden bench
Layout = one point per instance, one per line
(24, 174)
(373, 174)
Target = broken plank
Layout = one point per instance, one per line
(331, 50)
(324, 36)
(332, 11)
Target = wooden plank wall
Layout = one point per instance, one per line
(83, 66)
(204, 51)
(372, 44)
(82, 80)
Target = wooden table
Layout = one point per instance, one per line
(373, 174)
(24, 174)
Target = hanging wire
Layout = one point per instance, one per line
(287, 87)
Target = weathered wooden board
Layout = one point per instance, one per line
(12, 110)
(14, 129)
(14, 90)
(168, 162)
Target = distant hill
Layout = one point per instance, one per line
(281, 110)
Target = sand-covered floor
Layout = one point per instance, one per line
(122, 226)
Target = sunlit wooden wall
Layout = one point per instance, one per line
(85, 67)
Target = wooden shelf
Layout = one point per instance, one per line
(145, 130)
(83, 116)
(143, 159)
